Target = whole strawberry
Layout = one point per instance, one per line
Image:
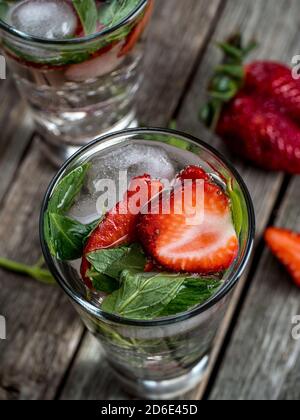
(275, 80)
(256, 109)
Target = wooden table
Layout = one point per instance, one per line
(48, 354)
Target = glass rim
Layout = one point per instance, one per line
(73, 41)
(223, 291)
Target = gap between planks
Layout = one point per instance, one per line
(278, 42)
(38, 370)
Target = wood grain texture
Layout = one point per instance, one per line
(169, 62)
(42, 328)
(177, 35)
(263, 360)
(44, 332)
(275, 26)
(16, 131)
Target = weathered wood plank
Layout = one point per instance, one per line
(167, 72)
(16, 131)
(263, 360)
(43, 331)
(277, 42)
(179, 31)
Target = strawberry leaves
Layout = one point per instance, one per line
(227, 80)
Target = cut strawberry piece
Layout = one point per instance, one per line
(102, 62)
(207, 247)
(285, 244)
(119, 225)
(137, 31)
(193, 173)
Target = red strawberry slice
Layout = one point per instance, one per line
(254, 129)
(275, 80)
(192, 173)
(208, 247)
(137, 31)
(119, 225)
(285, 244)
(102, 62)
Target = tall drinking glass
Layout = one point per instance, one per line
(77, 87)
(164, 357)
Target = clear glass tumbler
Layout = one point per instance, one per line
(79, 88)
(166, 357)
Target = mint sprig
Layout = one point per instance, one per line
(3, 9)
(66, 237)
(193, 292)
(36, 271)
(143, 295)
(236, 207)
(101, 282)
(116, 11)
(112, 262)
(146, 296)
(88, 14)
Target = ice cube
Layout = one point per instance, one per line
(136, 159)
(51, 19)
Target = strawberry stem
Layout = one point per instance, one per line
(227, 80)
(36, 271)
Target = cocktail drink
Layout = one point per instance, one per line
(77, 63)
(148, 231)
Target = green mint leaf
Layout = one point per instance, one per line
(193, 292)
(236, 207)
(88, 14)
(67, 237)
(67, 190)
(101, 282)
(3, 9)
(116, 11)
(112, 262)
(143, 295)
(62, 200)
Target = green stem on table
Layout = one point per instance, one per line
(35, 271)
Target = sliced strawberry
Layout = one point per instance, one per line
(285, 244)
(102, 62)
(207, 247)
(119, 225)
(193, 173)
(137, 31)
